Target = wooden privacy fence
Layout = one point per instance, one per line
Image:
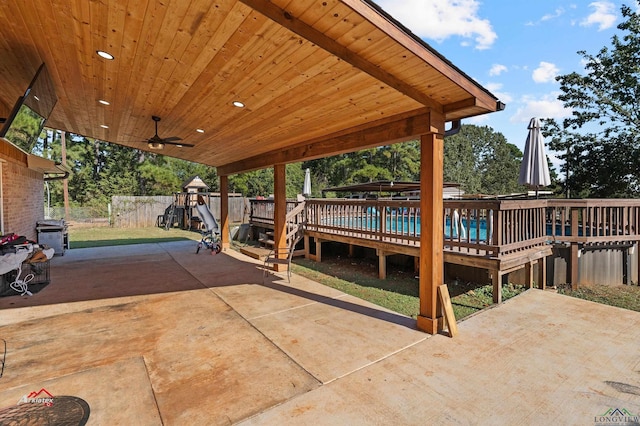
(140, 212)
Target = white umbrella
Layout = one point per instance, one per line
(534, 170)
(306, 188)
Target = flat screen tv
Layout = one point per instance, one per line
(26, 121)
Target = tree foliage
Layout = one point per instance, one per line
(482, 161)
(100, 170)
(599, 141)
(478, 158)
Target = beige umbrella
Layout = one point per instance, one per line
(534, 170)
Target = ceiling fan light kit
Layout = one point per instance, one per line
(157, 143)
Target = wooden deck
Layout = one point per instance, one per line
(500, 236)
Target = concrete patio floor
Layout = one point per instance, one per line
(155, 334)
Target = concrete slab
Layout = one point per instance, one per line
(540, 358)
(211, 344)
(205, 363)
(339, 336)
(115, 394)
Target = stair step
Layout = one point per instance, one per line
(266, 241)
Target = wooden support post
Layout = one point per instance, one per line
(496, 280)
(280, 212)
(307, 247)
(431, 235)
(636, 254)
(224, 212)
(318, 250)
(382, 264)
(573, 264)
(542, 273)
(352, 248)
(528, 268)
(574, 250)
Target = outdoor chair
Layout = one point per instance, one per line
(280, 256)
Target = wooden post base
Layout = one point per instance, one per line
(430, 325)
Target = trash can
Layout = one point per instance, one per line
(53, 233)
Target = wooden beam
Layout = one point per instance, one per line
(224, 212)
(280, 211)
(431, 235)
(445, 299)
(382, 132)
(4, 112)
(327, 43)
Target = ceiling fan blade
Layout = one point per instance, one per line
(172, 139)
(185, 145)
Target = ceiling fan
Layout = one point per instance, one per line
(157, 143)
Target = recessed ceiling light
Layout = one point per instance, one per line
(103, 102)
(238, 104)
(104, 126)
(199, 130)
(105, 55)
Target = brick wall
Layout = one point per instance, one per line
(22, 193)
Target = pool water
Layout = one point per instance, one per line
(474, 230)
(411, 226)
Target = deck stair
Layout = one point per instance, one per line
(294, 227)
(266, 240)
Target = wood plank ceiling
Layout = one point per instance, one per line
(317, 77)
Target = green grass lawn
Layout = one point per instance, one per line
(622, 296)
(399, 291)
(82, 237)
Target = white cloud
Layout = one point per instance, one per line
(545, 73)
(496, 89)
(547, 106)
(547, 17)
(604, 15)
(497, 69)
(439, 20)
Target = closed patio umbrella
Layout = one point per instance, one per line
(306, 188)
(534, 170)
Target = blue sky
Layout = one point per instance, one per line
(513, 48)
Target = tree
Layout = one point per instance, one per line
(482, 161)
(599, 141)
(397, 162)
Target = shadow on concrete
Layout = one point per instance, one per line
(115, 272)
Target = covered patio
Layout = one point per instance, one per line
(154, 334)
(246, 85)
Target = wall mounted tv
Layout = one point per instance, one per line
(26, 121)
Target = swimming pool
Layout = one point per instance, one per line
(410, 225)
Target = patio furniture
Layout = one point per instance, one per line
(211, 233)
(281, 256)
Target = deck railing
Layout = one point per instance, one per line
(594, 221)
(483, 227)
(262, 211)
